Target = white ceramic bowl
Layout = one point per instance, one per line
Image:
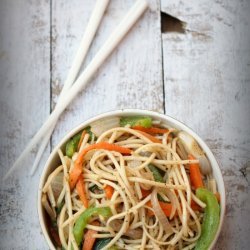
(53, 160)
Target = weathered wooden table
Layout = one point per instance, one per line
(200, 76)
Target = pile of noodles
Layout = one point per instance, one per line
(128, 175)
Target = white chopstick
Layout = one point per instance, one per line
(86, 41)
(118, 34)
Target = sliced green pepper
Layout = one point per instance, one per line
(101, 243)
(94, 188)
(82, 221)
(54, 223)
(158, 178)
(72, 145)
(59, 208)
(211, 218)
(156, 173)
(91, 134)
(143, 121)
(161, 199)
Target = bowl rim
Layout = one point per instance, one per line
(130, 112)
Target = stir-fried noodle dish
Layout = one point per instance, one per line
(131, 183)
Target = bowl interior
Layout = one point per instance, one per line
(53, 161)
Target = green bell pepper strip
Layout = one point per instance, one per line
(59, 208)
(82, 221)
(156, 173)
(101, 243)
(72, 145)
(91, 134)
(94, 187)
(157, 177)
(143, 121)
(211, 218)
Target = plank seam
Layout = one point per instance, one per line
(162, 65)
(163, 76)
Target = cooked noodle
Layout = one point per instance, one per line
(129, 176)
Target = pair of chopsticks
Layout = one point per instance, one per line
(72, 85)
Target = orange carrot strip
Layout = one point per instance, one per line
(195, 206)
(150, 137)
(166, 208)
(152, 130)
(109, 191)
(74, 174)
(106, 146)
(217, 195)
(195, 174)
(170, 137)
(81, 139)
(77, 170)
(145, 192)
(89, 240)
(80, 188)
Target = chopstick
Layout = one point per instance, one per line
(114, 39)
(86, 41)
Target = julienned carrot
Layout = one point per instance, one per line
(81, 139)
(77, 170)
(89, 239)
(74, 174)
(195, 174)
(80, 188)
(145, 192)
(109, 191)
(166, 208)
(170, 137)
(103, 145)
(152, 130)
(217, 195)
(150, 137)
(195, 206)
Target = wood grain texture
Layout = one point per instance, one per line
(24, 104)
(207, 86)
(130, 78)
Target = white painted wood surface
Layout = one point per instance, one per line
(24, 104)
(207, 86)
(205, 82)
(131, 77)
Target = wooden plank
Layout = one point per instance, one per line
(206, 77)
(130, 78)
(24, 104)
